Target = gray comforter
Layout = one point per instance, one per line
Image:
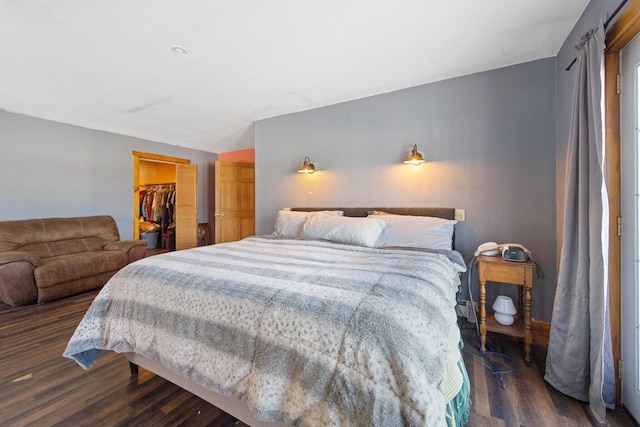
(305, 332)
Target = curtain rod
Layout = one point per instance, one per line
(606, 24)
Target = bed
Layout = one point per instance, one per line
(297, 329)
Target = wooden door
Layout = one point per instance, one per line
(621, 32)
(630, 239)
(234, 201)
(186, 206)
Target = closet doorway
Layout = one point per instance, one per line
(164, 172)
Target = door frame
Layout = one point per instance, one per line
(137, 156)
(621, 32)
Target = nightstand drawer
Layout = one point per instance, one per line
(513, 273)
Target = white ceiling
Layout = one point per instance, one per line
(108, 64)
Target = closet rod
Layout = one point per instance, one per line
(606, 24)
(160, 183)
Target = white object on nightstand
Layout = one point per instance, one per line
(504, 310)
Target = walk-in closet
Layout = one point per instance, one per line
(165, 201)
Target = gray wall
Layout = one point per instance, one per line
(490, 143)
(50, 169)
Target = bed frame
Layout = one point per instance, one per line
(235, 407)
(446, 213)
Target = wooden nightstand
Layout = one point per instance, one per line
(496, 269)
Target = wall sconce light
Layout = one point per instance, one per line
(415, 158)
(307, 166)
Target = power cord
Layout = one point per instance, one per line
(492, 367)
(470, 265)
(539, 270)
(486, 360)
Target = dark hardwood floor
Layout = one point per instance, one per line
(526, 399)
(38, 387)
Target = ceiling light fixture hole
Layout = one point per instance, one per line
(179, 50)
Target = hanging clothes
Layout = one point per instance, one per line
(157, 203)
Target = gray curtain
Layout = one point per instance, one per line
(579, 358)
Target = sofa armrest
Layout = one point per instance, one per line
(15, 256)
(17, 282)
(135, 249)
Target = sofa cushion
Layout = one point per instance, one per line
(65, 268)
(73, 287)
(64, 247)
(16, 234)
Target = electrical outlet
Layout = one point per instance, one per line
(459, 215)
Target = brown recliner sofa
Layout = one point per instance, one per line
(46, 259)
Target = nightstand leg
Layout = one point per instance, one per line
(483, 315)
(527, 325)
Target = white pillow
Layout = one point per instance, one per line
(416, 231)
(289, 223)
(342, 229)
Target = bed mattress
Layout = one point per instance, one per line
(304, 332)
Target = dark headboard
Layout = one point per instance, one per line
(446, 213)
